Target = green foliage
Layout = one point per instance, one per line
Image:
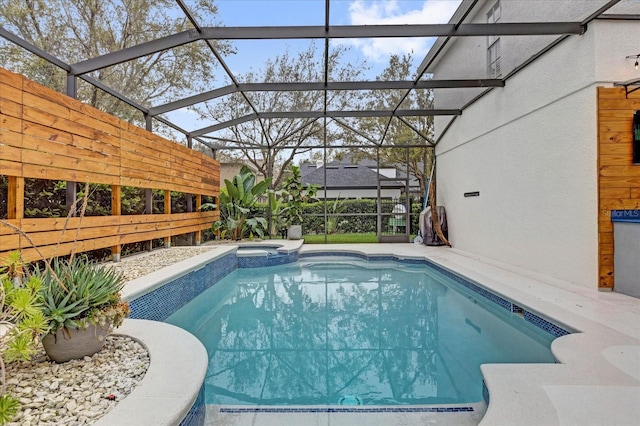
(335, 219)
(276, 136)
(73, 289)
(369, 237)
(23, 322)
(295, 195)
(240, 195)
(347, 213)
(277, 222)
(9, 406)
(76, 30)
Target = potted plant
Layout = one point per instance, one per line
(295, 195)
(82, 303)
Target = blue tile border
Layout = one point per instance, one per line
(545, 325)
(159, 304)
(268, 259)
(372, 409)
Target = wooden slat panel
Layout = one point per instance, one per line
(10, 168)
(69, 156)
(620, 204)
(107, 151)
(42, 104)
(616, 149)
(10, 108)
(145, 227)
(620, 171)
(10, 153)
(188, 229)
(620, 103)
(11, 79)
(615, 160)
(46, 172)
(69, 235)
(95, 123)
(10, 123)
(47, 135)
(11, 93)
(618, 178)
(606, 259)
(51, 158)
(30, 254)
(615, 137)
(142, 236)
(615, 193)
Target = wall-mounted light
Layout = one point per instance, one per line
(636, 57)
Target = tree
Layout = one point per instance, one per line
(418, 131)
(272, 139)
(76, 30)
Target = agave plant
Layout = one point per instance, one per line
(75, 290)
(236, 200)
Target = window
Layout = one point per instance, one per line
(493, 51)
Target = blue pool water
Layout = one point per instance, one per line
(352, 332)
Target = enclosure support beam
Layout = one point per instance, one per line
(189, 201)
(71, 199)
(148, 209)
(15, 201)
(198, 206)
(167, 211)
(116, 210)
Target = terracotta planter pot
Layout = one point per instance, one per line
(74, 343)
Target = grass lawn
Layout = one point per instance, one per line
(341, 238)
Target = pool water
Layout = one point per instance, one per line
(352, 332)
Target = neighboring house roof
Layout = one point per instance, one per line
(352, 176)
(344, 174)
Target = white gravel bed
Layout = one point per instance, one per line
(77, 392)
(136, 266)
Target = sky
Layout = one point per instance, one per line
(252, 54)
(343, 12)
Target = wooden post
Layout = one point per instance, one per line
(198, 232)
(167, 210)
(15, 198)
(116, 210)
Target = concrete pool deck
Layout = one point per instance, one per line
(596, 380)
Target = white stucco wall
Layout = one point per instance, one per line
(530, 149)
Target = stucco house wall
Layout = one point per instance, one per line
(530, 149)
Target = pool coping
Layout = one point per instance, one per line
(163, 397)
(596, 377)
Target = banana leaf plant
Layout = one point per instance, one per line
(236, 200)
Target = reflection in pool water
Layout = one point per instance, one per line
(366, 333)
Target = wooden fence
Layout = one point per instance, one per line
(618, 177)
(46, 135)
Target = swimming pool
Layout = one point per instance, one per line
(351, 332)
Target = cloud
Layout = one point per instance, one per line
(393, 12)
